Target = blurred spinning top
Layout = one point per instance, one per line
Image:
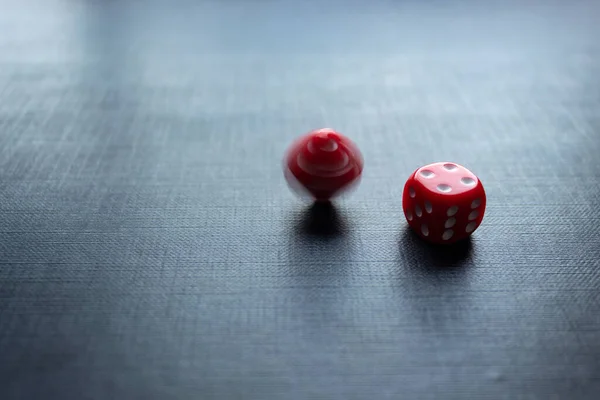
(322, 164)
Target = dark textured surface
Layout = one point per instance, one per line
(150, 249)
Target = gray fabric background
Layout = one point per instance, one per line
(150, 249)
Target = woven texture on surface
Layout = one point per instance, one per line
(150, 249)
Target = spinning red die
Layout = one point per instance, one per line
(322, 164)
(443, 202)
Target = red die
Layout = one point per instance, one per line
(323, 164)
(443, 202)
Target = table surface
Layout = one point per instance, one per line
(150, 247)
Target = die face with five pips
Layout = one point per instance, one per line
(443, 202)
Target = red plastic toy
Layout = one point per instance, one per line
(323, 164)
(443, 202)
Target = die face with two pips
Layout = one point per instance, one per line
(322, 165)
(443, 202)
